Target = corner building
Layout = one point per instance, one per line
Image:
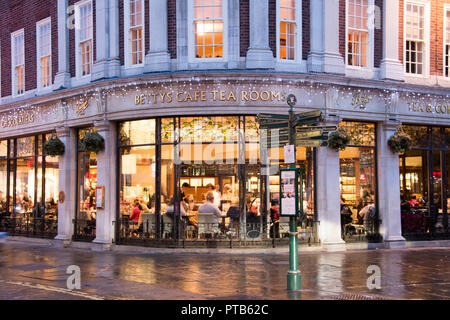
(174, 88)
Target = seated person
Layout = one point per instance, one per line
(143, 206)
(136, 211)
(413, 202)
(210, 207)
(405, 206)
(366, 215)
(170, 210)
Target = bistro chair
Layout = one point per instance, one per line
(167, 225)
(149, 223)
(207, 225)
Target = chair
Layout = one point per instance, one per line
(207, 224)
(149, 222)
(167, 225)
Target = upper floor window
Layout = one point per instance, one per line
(288, 15)
(134, 29)
(83, 35)
(447, 43)
(415, 38)
(208, 22)
(44, 53)
(359, 33)
(18, 62)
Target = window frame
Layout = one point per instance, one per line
(299, 44)
(126, 38)
(39, 56)
(78, 57)
(370, 37)
(14, 35)
(426, 41)
(446, 40)
(191, 34)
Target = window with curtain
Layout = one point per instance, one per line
(208, 28)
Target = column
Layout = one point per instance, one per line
(389, 187)
(107, 34)
(67, 184)
(324, 55)
(158, 57)
(106, 177)
(391, 67)
(259, 54)
(328, 192)
(62, 78)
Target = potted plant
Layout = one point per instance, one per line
(400, 142)
(339, 139)
(92, 142)
(54, 146)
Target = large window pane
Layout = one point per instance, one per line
(25, 184)
(137, 132)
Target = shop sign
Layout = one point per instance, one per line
(439, 108)
(17, 120)
(210, 95)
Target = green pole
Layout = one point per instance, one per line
(294, 279)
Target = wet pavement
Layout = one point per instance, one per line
(31, 271)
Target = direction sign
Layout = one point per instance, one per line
(310, 143)
(309, 134)
(272, 117)
(309, 114)
(324, 128)
(274, 125)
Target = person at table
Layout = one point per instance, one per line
(171, 208)
(227, 195)
(405, 206)
(184, 189)
(136, 211)
(210, 207)
(413, 202)
(215, 194)
(143, 206)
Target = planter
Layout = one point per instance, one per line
(54, 146)
(339, 139)
(92, 142)
(400, 142)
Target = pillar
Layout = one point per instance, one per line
(106, 177)
(328, 196)
(259, 54)
(158, 57)
(390, 66)
(389, 187)
(67, 184)
(62, 78)
(324, 55)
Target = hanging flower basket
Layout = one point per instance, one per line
(400, 142)
(92, 142)
(54, 146)
(339, 139)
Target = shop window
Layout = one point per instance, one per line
(24, 208)
(85, 226)
(84, 37)
(135, 31)
(209, 23)
(289, 15)
(424, 184)
(359, 32)
(18, 62)
(44, 53)
(415, 38)
(358, 183)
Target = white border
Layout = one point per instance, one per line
(13, 63)
(78, 75)
(426, 58)
(126, 34)
(191, 36)
(39, 87)
(299, 43)
(371, 48)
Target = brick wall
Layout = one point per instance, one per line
(244, 27)
(15, 15)
(172, 28)
(306, 27)
(273, 26)
(342, 36)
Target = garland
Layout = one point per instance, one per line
(54, 146)
(92, 142)
(400, 142)
(339, 139)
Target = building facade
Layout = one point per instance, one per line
(174, 88)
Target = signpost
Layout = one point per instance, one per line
(293, 130)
